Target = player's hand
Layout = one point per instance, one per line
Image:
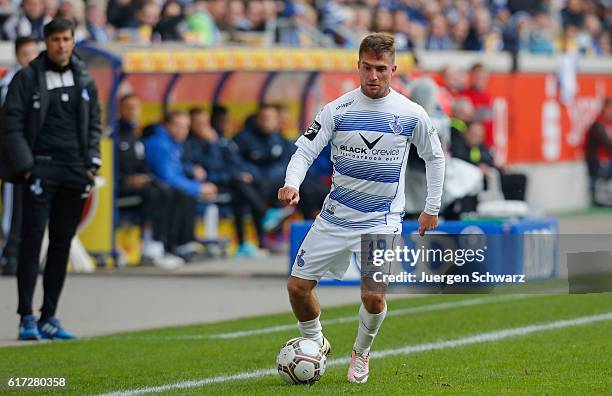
(485, 169)
(427, 222)
(138, 180)
(288, 196)
(246, 177)
(208, 190)
(199, 173)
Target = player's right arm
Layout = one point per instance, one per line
(309, 146)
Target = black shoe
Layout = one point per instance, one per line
(9, 267)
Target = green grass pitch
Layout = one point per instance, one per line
(560, 361)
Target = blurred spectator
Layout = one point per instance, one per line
(598, 155)
(439, 39)
(201, 26)
(255, 16)
(362, 22)
(235, 18)
(146, 18)
(95, 23)
(262, 145)
(479, 32)
(541, 39)
(51, 8)
(473, 150)
(402, 29)
(588, 38)
(459, 32)
(134, 178)
(29, 21)
(74, 13)
(469, 146)
(172, 25)
(529, 6)
(120, 13)
(572, 14)
(517, 33)
(462, 115)
(382, 20)
(26, 50)
(229, 172)
(220, 119)
(451, 86)
(301, 28)
(481, 100)
(164, 152)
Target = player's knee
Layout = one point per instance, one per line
(373, 302)
(299, 288)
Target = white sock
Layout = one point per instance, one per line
(368, 327)
(312, 330)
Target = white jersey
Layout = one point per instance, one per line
(370, 143)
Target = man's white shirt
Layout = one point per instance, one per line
(370, 144)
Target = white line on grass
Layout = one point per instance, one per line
(345, 319)
(408, 349)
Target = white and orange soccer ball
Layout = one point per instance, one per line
(300, 361)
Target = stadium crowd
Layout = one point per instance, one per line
(542, 27)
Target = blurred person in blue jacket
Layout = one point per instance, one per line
(230, 172)
(164, 152)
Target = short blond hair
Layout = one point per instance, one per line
(378, 44)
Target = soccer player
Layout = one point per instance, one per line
(371, 129)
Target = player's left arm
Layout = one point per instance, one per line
(427, 142)
(309, 146)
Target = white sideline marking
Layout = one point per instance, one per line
(408, 349)
(345, 319)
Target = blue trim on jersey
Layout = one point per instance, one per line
(351, 224)
(374, 121)
(360, 201)
(366, 170)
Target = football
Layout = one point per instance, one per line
(300, 361)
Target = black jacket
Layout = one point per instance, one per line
(221, 159)
(268, 152)
(130, 154)
(24, 115)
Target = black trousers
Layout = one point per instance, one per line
(247, 195)
(156, 208)
(181, 224)
(61, 206)
(12, 196)
(514, 186)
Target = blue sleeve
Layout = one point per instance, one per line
(159, 157)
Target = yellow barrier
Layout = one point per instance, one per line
(96, 228)
(247, 59)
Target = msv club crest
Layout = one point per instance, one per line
(395, 125)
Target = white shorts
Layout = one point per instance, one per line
(328, 250)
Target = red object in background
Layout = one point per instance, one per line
(483, 111)
(522, 131)
(87, 207)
